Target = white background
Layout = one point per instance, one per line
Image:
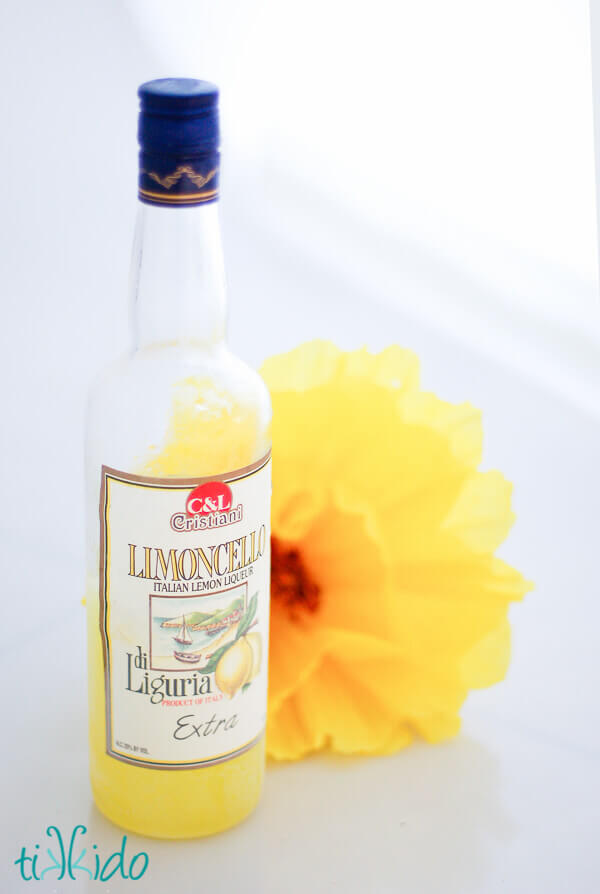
(419, 173)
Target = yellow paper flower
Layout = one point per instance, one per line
(388, 604)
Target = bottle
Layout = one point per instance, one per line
(178, 500)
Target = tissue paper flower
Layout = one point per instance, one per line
(388, 604)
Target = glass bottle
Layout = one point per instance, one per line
(178, 492)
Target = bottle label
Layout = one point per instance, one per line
(184, 615)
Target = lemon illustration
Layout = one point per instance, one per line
(255, 642)
(234, 667)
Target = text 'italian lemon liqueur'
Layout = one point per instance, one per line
(178, 494)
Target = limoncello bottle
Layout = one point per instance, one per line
(178, 501)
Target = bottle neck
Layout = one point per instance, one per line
(177, 277)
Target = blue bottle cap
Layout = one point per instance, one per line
(179, 142)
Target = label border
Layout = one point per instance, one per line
(109, 473)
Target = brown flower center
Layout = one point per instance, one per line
(291, 584)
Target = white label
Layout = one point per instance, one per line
(184, 615)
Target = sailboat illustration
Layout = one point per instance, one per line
(183, 636)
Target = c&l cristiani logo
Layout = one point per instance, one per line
(209, 505)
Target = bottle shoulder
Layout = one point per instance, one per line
(177, 409)
(161, 367)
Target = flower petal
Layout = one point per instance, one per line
(348, 567)
(320, 362)
(363, 698)
(487, 662)
(307, 366)
(444, 609)
(481, 515)
(394, 368)
(460, 424)
(295, 649)
(287, 736)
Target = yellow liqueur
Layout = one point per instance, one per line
(178, 504)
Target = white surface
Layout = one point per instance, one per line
(511, 805)
(503, 316)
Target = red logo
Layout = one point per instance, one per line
(214, 496)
